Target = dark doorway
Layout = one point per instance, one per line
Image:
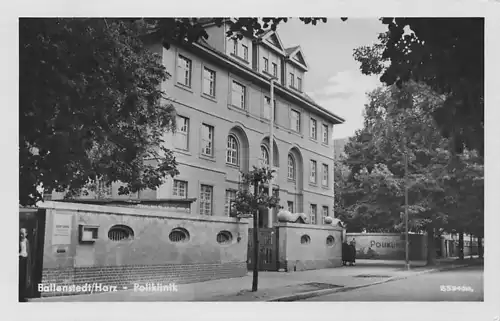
(33, 220)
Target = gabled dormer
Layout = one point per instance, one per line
(269, 53)
(241, 50)
(271, 40)
(295, 68)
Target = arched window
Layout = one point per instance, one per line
(291, 167)
(264, 155)
(232, 150)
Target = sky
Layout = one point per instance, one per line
(334, 79)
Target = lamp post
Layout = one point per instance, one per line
(407, 245)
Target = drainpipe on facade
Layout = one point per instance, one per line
(270, 215)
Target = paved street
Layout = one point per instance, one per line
(425, 287)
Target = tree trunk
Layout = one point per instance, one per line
(461, 245)
(431, 249)
(480, 246)
(255, 279)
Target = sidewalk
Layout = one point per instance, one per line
(273, 286)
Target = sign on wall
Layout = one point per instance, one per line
(61, 231)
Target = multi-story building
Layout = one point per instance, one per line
(221, 91)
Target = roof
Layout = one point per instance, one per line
(202, 43)
(291, 49)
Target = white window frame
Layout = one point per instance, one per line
(292, 79)
(266, 64)
(313, 216)
(267, 108)
(176, 188)
(241, 95)
(264, 155)
(288, 206)
(291, 167)
(182, 130)
(314, 128)
(323, 212)
(275, 69)
(209, 140)
(296, 126)
(299, 84)
(184, 72)
(232, 150)
(230, 196)
(313, 169)
(325, 134)
(209, 81)
(206, 197)
(325, 169)
(235, 46)
(245, 52)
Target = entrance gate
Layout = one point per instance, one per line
(268, 249)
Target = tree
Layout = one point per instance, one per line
(446, 54)
(91, 106)
(444, 189)
(247, 203)
(397, 122)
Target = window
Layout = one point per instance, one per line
(182, 134)
(245, 52)
(267, 108)
(208, 82)
(103, 188)
(207, 139)
(325, 213)
(235, 47)
(230, 197)
(232, 150)
(305, 239)
(120, 233)
(264, 155)
(291, 167)
(224, 237)
(312, 175)
(238, 97)
(290, 206)
(314, 129)
(179, 235)
(180, 188)
(292, 80)
(299, 84)
(312, 213)
(324, 180)
(266, 64)
(275, 69)
(184, 71)
(325, 134)
(275, 110)
(206, 192)
(295, 121)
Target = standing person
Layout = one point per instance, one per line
(24, 263)
(352, 246)
(345, 253)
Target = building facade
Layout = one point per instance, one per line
(221, 91)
